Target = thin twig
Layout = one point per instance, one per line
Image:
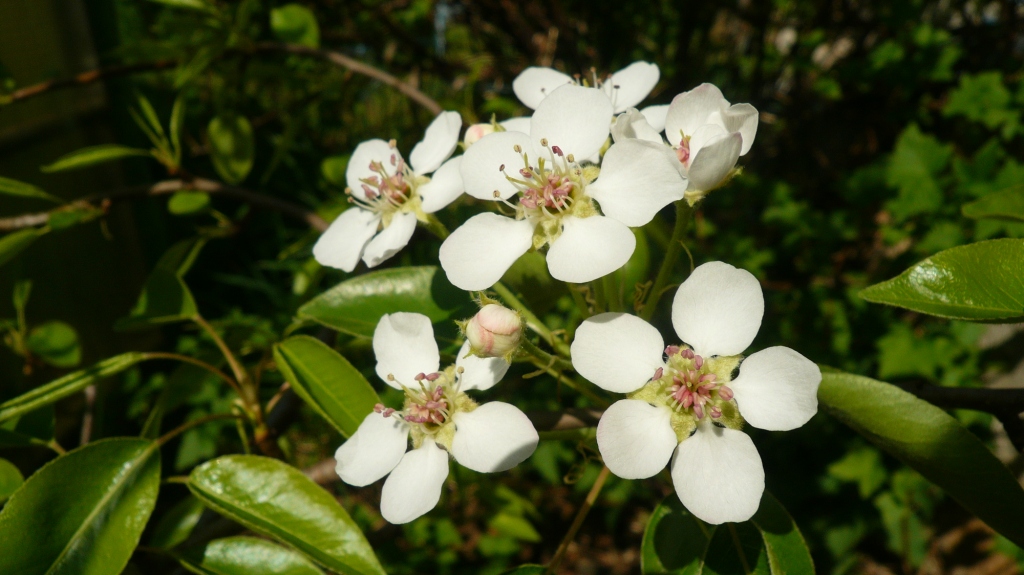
(198, 363)
(194, 423)
(578, 522)
(241, 376)
(86, 78)
(87, 417)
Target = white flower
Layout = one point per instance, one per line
(688, 405)
(438, 417)
(390, 195)
(477, 131)
(706, 132)
(625, 88)
(556, 205)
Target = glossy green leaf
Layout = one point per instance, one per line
(232, 147)
(14, 243)
(71, 383)
(34, 428)
(296, 24)
(165, 299)
(186, 203)
(275, 499)
(977, 282)
(932, 442)
(355, 306)
(10, 479)
(83, 513)
(247, 556)
(177, 524)
(326, 381)
(15, 188)
(93, 155)
(56, 343)
(1005, 204)
(674, 541)
(785, 546)
(737, 549)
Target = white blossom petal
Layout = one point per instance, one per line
(479, 372)
(358, 168)
(493, 437)
(535, 83)
(574, 118)
(777, 389)
(637, 179)
(343, 242)
(519, 124)
(414, 487)
(718, 309)
(742, 118)
(656, 116)
(617, 351)
(481, 250)
(714, 162)
(390, 240)
(634, 125)
(706, 135)
(635, 438)
(373, 450)
(589, 248)
(690, 110)
(405, 347)
(718, 475)
(482, 162)
(444, 187)
(439, 141)
(630, 85)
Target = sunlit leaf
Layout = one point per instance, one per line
(186, 203)
(296, 24)
(247, 556)
(93, 155)
(232, 147)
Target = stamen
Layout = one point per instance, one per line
(658, 373)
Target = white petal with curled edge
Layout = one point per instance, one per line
(633, 125)
(718, 475)
(574, 118)
(714, 162)
(439, 141)
(405, 347)
(481, 250)
(414, 487)
(343, 242)
(482, 162)
(390, 240)
(479, 372)
(718, 309)
(742, 118)
(617, 352)
(777, 389)
(535, 83)
(636, 438)
(359, 164)
(690, 110)
(637, 179)
(520, 124)
(493, 437)
(630, 85)
(656, 116)
(589, 248)
(373, 450)
(706, 135)
(444, 187)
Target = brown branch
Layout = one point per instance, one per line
(86, 78)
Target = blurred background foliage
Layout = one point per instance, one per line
(880, 120)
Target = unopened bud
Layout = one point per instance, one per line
(477, 131)
(495, 331)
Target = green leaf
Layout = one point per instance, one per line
(913, 170)
(20, 294)
(355, 306)
(785, 545)
(984, 98)
(93, 155)
(10, 479)
(247, 556)
(33, 428)
(176, 126)
(198, 5)
(177, 524)
(930, 441)
(69, 216)
(326, 381)
(527, 570)
(674, 541)
(737, 549)
(296, 24)
(13, 243)
(1005, 204)
(187, 203)
(333, 170)
(16, 188)
(56, 343)
(514, 526)
(275, 499)
(232, 147)
(71, 383)
(82, 513)
(977, 282)
(165, 299)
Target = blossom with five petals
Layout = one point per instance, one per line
(438, 417)
(687, 403)
(389, 196)
(625, 88)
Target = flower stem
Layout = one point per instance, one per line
(555, 366)
(684, 213)
(245, 388)
(532, 321)
(578, 522)
(434, 226)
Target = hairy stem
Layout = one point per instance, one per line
(532, 321)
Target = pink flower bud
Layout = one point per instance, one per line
(477, 131)
(495, 331)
